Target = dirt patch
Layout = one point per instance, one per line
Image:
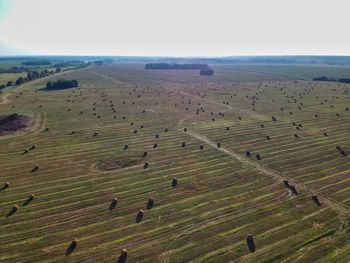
(12, 123)
(118, 163)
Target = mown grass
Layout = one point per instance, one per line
(218, 200)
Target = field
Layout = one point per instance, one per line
(126, 132)
(5, 77)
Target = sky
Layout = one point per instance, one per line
(174, 27)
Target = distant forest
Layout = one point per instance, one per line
(176, 66)
(37, 62)
(324, 78)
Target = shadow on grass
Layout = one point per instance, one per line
(70, 249)
(122, 259)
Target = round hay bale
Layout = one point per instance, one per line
(15, 208)
(124, 252)
(174, 182)
(150, 203)
(74, 242)
(6, 185)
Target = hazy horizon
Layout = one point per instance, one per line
(159, 28)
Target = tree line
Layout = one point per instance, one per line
(324, 78)
(176, 66)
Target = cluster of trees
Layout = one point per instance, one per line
(33, 75)
(324, 78)
(61, 84)
(206, 72)
(176, 66)
(37, 62)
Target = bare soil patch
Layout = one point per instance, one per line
(12, 123)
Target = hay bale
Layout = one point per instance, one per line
(174, 182)
(32, 147)
(250, 243)
(74, 242)
(35, 168)
(14, 209)
(124, 252)
(6, 185)
(150, 203)
(316, 200)
(139, 216)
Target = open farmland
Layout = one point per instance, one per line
(126, 132)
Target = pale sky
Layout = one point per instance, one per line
(175, 27)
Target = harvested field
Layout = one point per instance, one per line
(241, 188)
